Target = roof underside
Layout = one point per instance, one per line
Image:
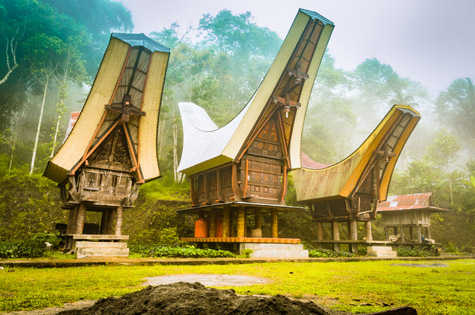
(206, 147)
(134, 65)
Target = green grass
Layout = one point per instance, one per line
(350, 286)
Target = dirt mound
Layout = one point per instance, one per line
(194, 298)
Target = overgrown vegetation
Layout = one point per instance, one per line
(37, 246)
(413, 252)
(182, 252)
(325, 253)
(360, 287)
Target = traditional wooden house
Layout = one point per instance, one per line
(241, 169)
(111, 149)
(349, 191)
(408, 212)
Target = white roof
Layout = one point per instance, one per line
(202, 139)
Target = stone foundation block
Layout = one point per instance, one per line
(267, 250)
(101, 249)
(381, 251)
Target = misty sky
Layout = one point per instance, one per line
(429, 41)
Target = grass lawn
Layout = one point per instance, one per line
(349, 286)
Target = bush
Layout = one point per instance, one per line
(183, 252)
(32, 248)
(412, 252)
(325, 253)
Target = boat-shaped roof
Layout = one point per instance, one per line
(206, 146)
(133, 65)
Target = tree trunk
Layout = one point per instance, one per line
(38, 129)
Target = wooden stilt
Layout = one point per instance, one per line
(319, 231)
(369, 232)
(110, 222)
(118, 220)
(419, 234)
(336, 235)
(80, 219)
(403, 237)
(428, 232)
(226, 221)
(241, 224)
(258, 218)
(386, 234)
(353, 236)
(274, 226)
(411, 233)
(104, 219)
(72, 220)
(212, 224)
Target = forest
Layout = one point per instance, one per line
(50, 51)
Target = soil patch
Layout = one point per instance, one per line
(195, 298)
(209, 280)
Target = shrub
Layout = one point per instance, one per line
(183, 252)
(325, 253)
(412, 252)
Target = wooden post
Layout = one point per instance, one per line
(411, 233)
(104, 220)
(319, 231)
(386, 233)
(118, 220)
(73, 213)
(369, 232)
(226, 221)
(428, 232)
(353, 231)
(336, 235)
(419, 234)
(258, 218)
(80, 219)
(274, 225)
(403, 237)
(110, 222)
(319, 234)
(240, 223)
(212, 224)
(231, 222)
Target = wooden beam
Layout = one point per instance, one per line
(132, 152)
(218, 186)
(235, 185)
(246, 178)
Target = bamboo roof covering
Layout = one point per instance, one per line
(133, 67)
(343, 179)
(206, 146)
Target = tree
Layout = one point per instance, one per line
(456, 110)
(100, 18)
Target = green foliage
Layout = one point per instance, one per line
(326, 253)
(412, 252)
(34, 247)
(178, 252)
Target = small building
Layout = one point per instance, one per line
(408, 213)
(239, 172)
(112, 148)
(348, 192)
